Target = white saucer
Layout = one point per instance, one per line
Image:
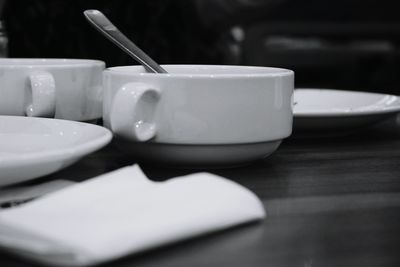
(330, 111)
(34, 147)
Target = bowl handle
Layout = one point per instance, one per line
(43, 92)
(132, 112)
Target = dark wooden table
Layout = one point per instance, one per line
(330, 202)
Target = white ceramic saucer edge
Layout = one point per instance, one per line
(33, 164)
(387, 104)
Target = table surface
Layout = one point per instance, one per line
(330, 202)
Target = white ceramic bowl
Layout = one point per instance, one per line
(199, 114)
(54, 88)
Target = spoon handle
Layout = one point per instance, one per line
(102, 24)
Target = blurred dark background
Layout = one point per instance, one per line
(343, 44)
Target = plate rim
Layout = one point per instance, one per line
(57, 154)
(353, 113)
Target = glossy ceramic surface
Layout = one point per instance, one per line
(199, 115)
(199, 104)
(33, 147)
(327, 110)
(56, 88)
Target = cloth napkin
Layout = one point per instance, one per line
(123, 212)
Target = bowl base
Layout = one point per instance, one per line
(198, 156)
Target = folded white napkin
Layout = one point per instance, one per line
(123, 212)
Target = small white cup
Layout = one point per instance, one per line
(199, 115)
(199, 104)
(60, 88)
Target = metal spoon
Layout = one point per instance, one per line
(104, 26)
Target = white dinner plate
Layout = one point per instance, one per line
(34, 147)
(333, 111)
